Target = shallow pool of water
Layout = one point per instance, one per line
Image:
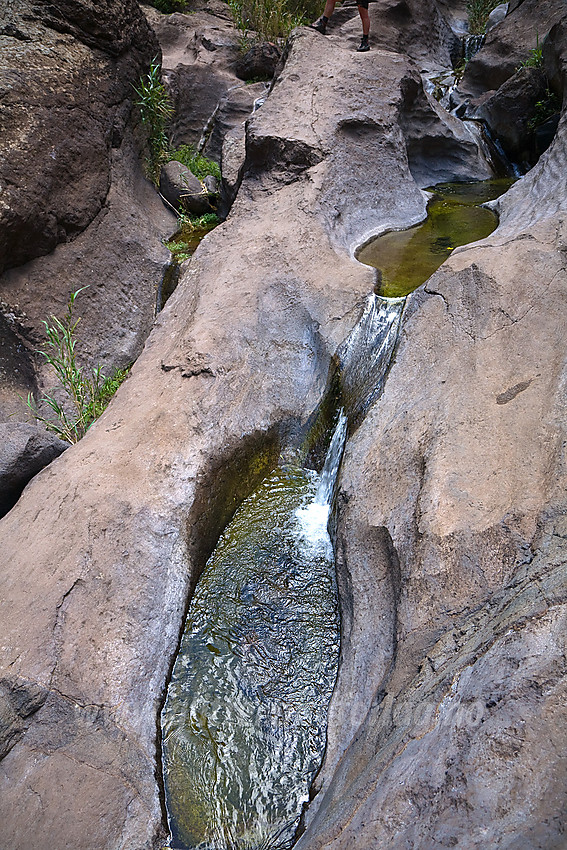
(244, 722)
(407, 258)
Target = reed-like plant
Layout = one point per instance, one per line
(478, 12)
(272, 20)
(88, 395)
(156, 109)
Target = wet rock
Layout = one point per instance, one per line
(509, 111)
(25, 450)
(182, 189)
(259, 62)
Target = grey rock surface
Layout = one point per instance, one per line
(199, 53)
(508, 111)
(182, 189)
(451, 544)
(68, 126)
(118, 261)
(25, 449)
(497, 16)
(510, 44)
(452, 558)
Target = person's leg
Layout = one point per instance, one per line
(365, 18)
(329, 8)
(321, 24)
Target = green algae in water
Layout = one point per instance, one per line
(407, 258)
(245, 718)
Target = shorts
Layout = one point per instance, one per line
(363, 3)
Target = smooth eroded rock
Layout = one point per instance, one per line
(24, 450)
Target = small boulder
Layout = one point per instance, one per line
(211, 184)
(182, 189)
(497, 16)
(260, 62)
(24, 450)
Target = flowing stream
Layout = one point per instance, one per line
(245, 718)
(244, 722)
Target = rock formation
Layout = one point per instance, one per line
(76, 210)
(450, 529)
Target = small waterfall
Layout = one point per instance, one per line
(313, 518)
(366, 353)
(325, 490)
(492, 150)
(471, 45)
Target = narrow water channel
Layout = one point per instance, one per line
(244, 723)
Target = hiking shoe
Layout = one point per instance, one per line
(364, 46)
(320, 26)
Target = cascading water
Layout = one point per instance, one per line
(366, 353)
(471, 45)
(245, 718)
(244, 722)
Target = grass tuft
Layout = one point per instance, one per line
(272, 20)
(199, 165)
(89, 394)
(156, 109)
(478, 12)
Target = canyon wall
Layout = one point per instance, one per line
(450, 518)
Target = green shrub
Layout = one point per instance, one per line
(478, 12)
(89, 394)
(535, 59)
(272, 20)
(155, 111)
(198, 222)
(198, 164)
(169, 6)
(545, 108)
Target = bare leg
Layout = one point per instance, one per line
(329, 8)
(364, 17)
